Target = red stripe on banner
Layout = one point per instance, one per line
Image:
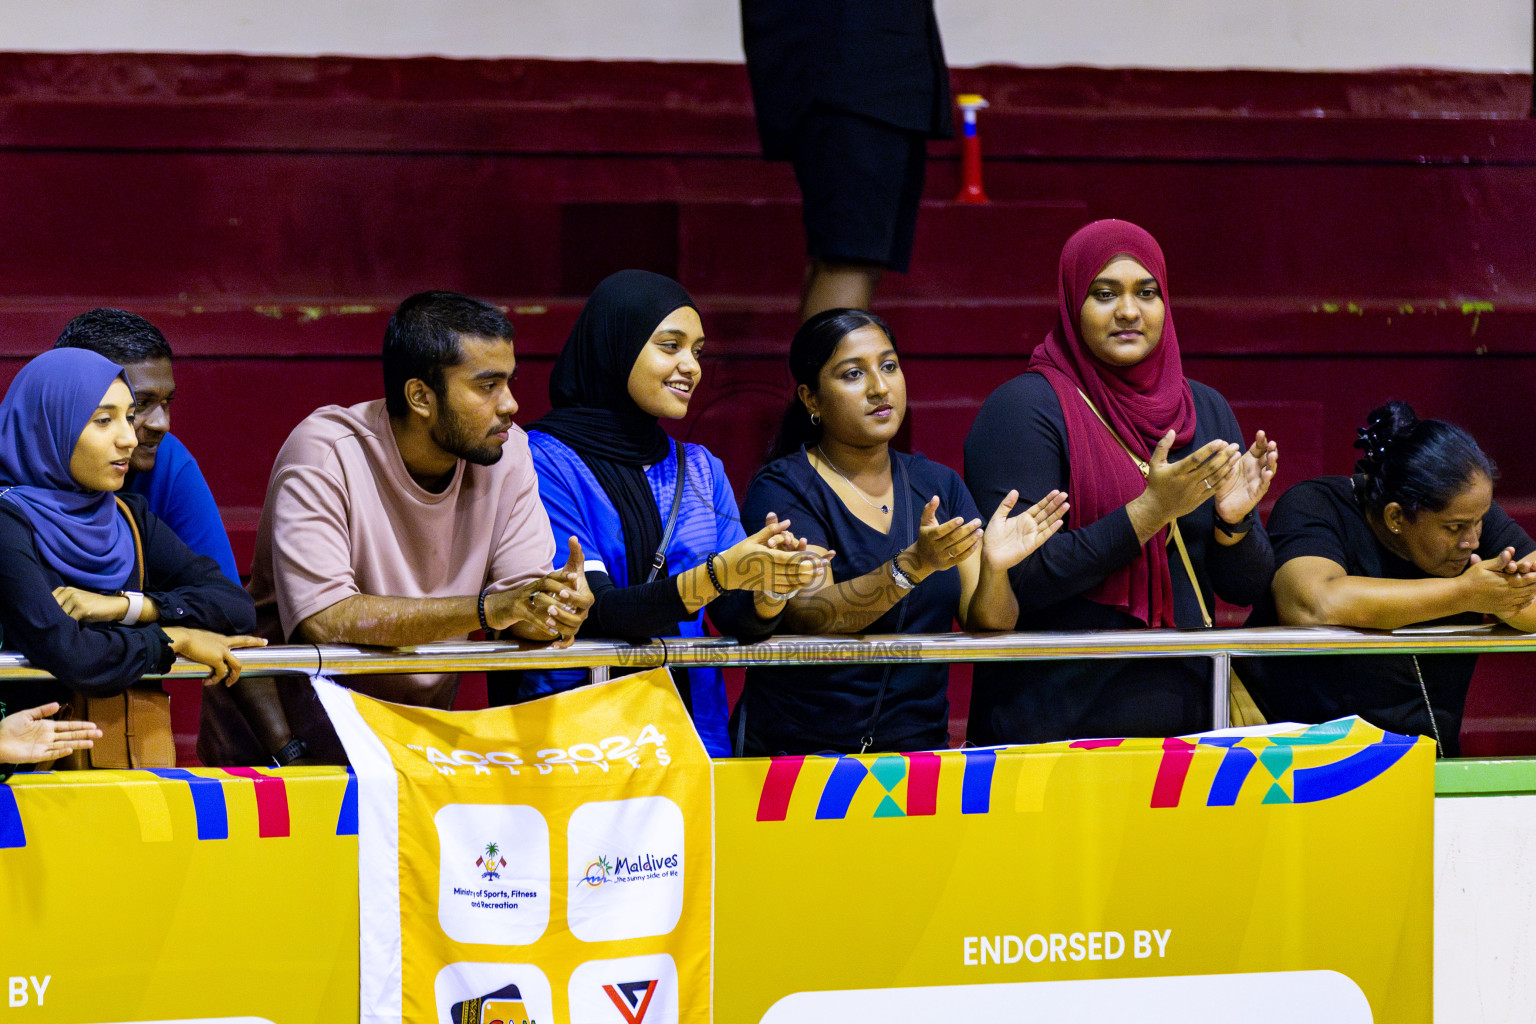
(1095, 744)
(271, 802)
(922, 783)
(1171, 772)
(773, 805)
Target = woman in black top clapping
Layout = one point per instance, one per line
(911, 554)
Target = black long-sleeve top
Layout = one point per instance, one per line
(1019, 440)
(108, 657)
(644, 610)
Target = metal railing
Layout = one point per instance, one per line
(598, 658)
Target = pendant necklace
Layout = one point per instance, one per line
(884, 509)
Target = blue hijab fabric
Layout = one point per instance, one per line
(79, 532)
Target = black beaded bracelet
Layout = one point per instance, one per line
(709, 566)
(480, 608)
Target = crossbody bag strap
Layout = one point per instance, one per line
(659, 562)
(1189, 570)
(138, 542)
(868, 739)
(1173, 525)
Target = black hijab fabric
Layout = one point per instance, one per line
(593, 413)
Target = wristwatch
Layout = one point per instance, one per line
(135, 607)
(1238, 528)
(290, 752)
(903, 581)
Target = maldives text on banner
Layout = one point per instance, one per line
(542, 863)
(1273, 878)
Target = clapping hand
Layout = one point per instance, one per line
(1247, 480)
(1178, 488)
(1007, 540)
(818, 559)
(940, 546)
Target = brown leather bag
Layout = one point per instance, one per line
(135, 724)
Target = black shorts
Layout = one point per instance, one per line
(861, 182)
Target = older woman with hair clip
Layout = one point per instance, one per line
(912, 555)
(1413, 538)
(656, 518)
(1162, 502)
(96, 589)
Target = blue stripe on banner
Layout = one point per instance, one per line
(976, 788)
(207, 801)
(12, 834)
(1330, 780)
(1235, 766)
(346, 821)
(838, 793)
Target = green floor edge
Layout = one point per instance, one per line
(1500, 776)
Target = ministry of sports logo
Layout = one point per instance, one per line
(491, 862)
(633, 998)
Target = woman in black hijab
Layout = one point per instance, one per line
(656, 518)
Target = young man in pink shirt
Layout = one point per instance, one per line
(398, 522)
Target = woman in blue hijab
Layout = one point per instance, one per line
(96, 590)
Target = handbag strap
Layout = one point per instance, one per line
(1173, 524)
(868, 739)
(659, 562)
(138, 542)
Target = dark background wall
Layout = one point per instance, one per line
(1333, 240)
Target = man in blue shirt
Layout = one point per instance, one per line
(161, 468)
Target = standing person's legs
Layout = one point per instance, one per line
(837, 285)
(861, 182)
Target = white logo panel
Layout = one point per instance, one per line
(633, 990)
(493, 881)
(626, 869)
(506, 989)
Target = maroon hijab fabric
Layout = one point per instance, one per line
(1142, 402)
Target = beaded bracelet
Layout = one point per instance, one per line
(709, 566)
(480, 608)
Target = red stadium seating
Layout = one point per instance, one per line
(1333, 240)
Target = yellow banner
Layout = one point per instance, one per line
(546, 862)
(179, 895)
(1266, 879)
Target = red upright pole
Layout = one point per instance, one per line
(970, 150)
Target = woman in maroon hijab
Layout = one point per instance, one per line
(1106, 414)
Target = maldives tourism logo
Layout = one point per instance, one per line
(633, 998)
(597, 873)
(491, 862)
(629, 869)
